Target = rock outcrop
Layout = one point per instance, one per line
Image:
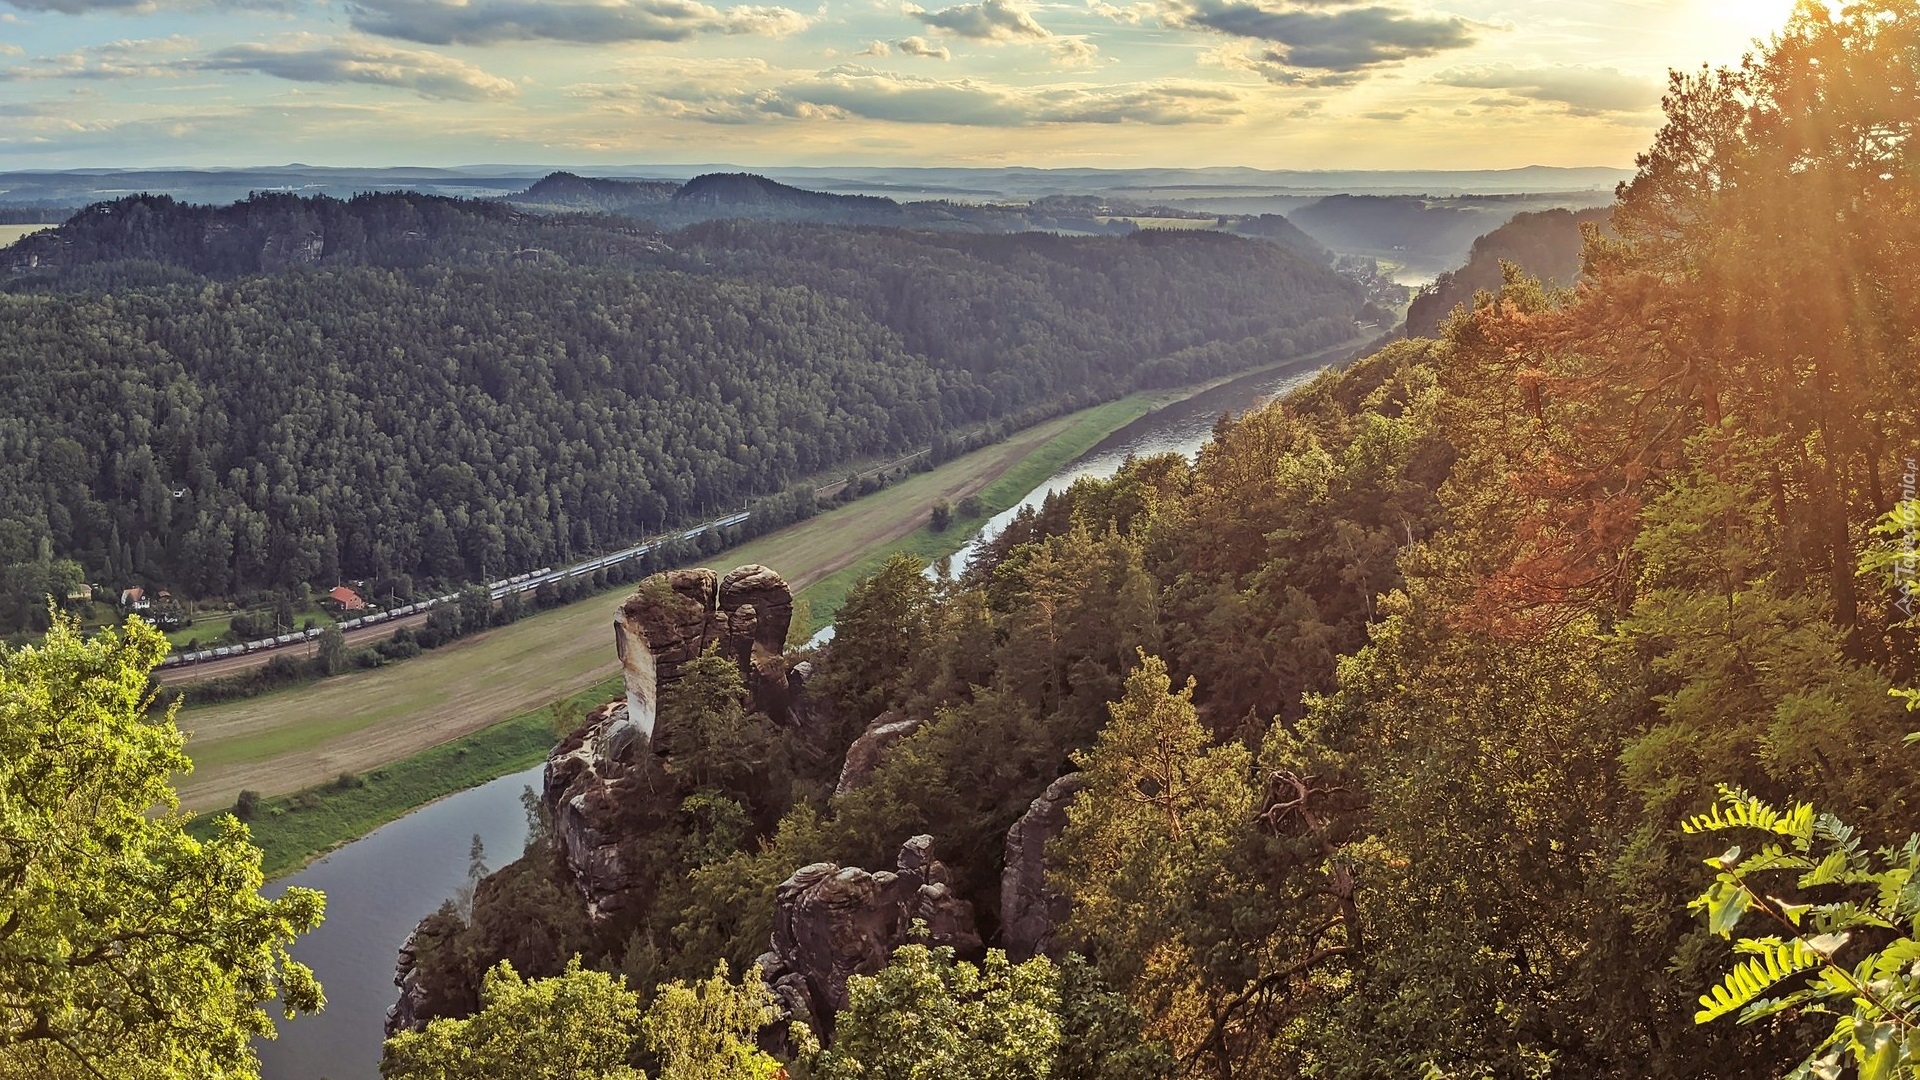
(1030, 912)
(870, 749)
(674, 617)
(832, 922)
(585, 784)
(596, 781)
(405, 1015)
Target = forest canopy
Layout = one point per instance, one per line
(294, 391)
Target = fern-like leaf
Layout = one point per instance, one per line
(1743, 985)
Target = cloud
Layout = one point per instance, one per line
(1584, 91)
(10, 49)
(1389, 115)
(490, 22)
(1314, 46)
(307, 58)
(313, 59)
(146, 7)
(876, 48)
(989, 20)
(1074, 52)
(878, 95)
(851, 92)
(1132, 14)
(125, 59)
(919, 46)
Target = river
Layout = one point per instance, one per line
(379, 886)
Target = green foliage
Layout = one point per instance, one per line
(578, 1026)
(130, 949)
(927, 1016)
(1850, 949)
(706, 1031)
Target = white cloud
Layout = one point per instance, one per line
(921, 47)
(1584, 91)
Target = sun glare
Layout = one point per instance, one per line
(1728, 28)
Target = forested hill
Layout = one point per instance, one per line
(1546, 245)
(290, 391)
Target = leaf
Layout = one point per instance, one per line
(1725, 902)
(1743, 985)
(1877, 1051)
(1828, 872)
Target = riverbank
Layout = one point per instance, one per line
(822, 557)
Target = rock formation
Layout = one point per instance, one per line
(832, 922)
(595, 781)
(1030, 912)
(870, 749)
(674, 617)
(405, 1013)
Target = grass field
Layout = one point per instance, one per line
(10, 233)
(361, 722)
(292, 829)
(1168, 223)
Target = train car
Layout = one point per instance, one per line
(222, 652)
(376, 617)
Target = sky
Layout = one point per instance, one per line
(1277, 84)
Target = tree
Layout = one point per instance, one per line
(927, 1016)
(579, 1025)
(1840, 942)
(706, 1031)
(130, 949)
(333, 650)
(940, 516)
(1148, 840)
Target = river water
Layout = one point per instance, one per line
(379, 886)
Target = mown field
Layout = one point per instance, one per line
(10, 233)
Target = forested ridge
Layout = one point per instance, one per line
(1396, 715)
(1547, 245)
(290, 391)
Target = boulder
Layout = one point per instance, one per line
(1030, 912)
(870, 749)
(832, 922)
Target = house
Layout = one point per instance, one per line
(134, 599)
(345, 599)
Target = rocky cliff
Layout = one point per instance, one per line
(832, 922)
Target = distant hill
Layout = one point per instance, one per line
(1425, 235)
(1546, 245)
(1280, 230)
(748, 195)
(416, 388)
(565, 191)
